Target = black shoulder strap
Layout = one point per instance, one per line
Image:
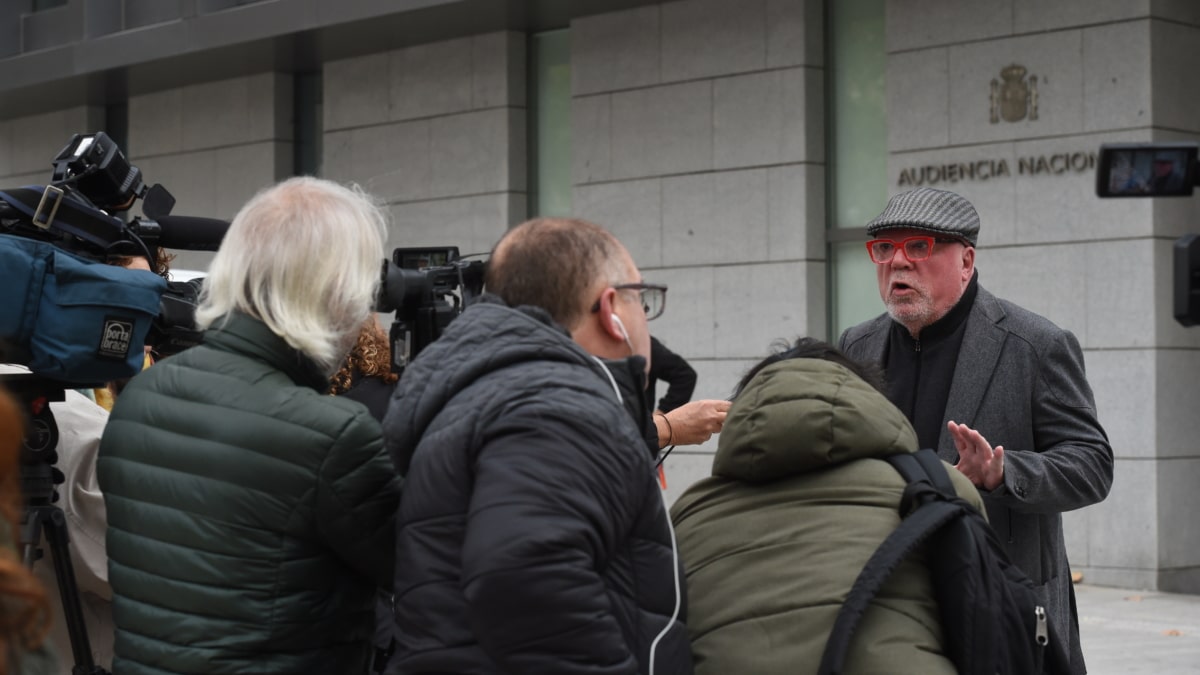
(912, 531)
(924, 464)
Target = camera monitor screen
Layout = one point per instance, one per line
(1146, 169)
(421, 258)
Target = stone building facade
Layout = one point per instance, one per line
(735, 146)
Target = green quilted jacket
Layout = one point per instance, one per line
(798, 501)
(250, 516)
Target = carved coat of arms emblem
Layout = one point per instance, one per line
(1013, 97)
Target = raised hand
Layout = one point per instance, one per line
(977, 459)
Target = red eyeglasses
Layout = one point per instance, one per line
(915, 249)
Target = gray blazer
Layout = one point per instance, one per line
(1020, 382)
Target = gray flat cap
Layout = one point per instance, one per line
(934, 211)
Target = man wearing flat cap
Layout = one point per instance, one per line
(998, 390)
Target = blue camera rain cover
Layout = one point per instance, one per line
(73, 319)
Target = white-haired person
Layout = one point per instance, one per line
(251, 516)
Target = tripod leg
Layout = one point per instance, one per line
(51, 521)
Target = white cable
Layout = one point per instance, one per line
(674, 546)
(612, 380)
(678, 593)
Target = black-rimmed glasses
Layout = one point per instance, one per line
(653, 298)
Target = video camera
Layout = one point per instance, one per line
(1159, 170)
(426, 288)
(50, 239)
(75, 319)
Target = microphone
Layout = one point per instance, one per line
(190, 233)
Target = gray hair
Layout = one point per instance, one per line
(303, 257)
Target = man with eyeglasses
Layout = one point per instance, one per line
(532, 535)
(996, 389)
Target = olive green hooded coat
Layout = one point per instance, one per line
(798, 501)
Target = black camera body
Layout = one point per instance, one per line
(426, 288)
(91, 181)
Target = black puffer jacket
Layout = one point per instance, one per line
(532, 534)
(250, 516)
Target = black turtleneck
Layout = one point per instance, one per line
(919, 371)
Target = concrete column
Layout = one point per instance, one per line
(213, 145)
(698, 139)
(438, 132)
